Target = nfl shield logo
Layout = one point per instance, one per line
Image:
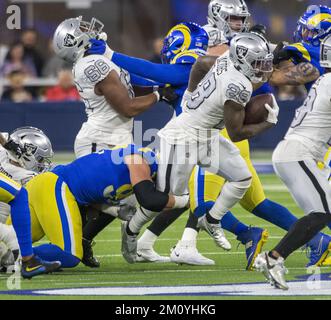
(69, 40)
(241, 52)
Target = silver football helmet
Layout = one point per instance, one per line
(36, 148)
(71, 38)
(325, 56)
(251, 55)
(220, 13)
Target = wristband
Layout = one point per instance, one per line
(181, 201)
(158, 97)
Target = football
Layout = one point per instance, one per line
(255, 112)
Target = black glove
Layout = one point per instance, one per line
(13, 147)
(259, 29)
(281, 54)
(167, 94)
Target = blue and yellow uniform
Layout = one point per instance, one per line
(304, 52)
(55, 197)
(16, 196)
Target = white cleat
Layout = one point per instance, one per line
(185, 252)
(129, 244)
(216, 232)
(273, 270)
(149, 255)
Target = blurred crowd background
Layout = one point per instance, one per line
(29, 70)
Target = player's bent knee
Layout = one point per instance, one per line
(244, 184)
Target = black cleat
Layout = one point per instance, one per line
(35, 267)
(88, 259)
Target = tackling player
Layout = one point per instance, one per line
(106, 177)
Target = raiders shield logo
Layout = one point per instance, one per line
(69, 40)
(29, 149)
(241, 52)
(216, 9)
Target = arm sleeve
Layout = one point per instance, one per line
(173, 74)
(143, 82)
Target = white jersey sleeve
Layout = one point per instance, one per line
(88, 72)
(18, 174)
(203, 111)
(312, 122)
(216, 37)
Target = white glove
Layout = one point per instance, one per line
(273, 111)
(109, 52)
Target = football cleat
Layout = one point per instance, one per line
(253, 239)
(273, 270)
(129, 244)
(319, 248)
(88, 259)
(185, 252)
(149, 255)
(35, 267)
(216, 232)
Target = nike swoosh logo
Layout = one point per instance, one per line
(176, 254)
(28, 269)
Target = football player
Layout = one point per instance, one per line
(107, 93)
(105, 177)
(253, 201)
(210, 105)
(295, 161)
(27, 152)
(16, 197)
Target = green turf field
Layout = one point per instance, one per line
(229, 268)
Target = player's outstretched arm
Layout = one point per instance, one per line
(173, 74)
(234, 116)
(144, 188)
(295, 75)
(117, 96)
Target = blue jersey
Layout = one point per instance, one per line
(103, 177)
(303, 52)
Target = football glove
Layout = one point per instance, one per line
(167, 94)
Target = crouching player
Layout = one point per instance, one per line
(16, 196)
(100, 178)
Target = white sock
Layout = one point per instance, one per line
(140, 218)
(232, 193)
(147, 240)
(189, 234)
(8, 236)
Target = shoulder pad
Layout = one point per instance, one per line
(300, 49)
(187, 57)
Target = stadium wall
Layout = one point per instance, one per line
(62, 121)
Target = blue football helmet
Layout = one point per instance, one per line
(183, 37)
(314, 25)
